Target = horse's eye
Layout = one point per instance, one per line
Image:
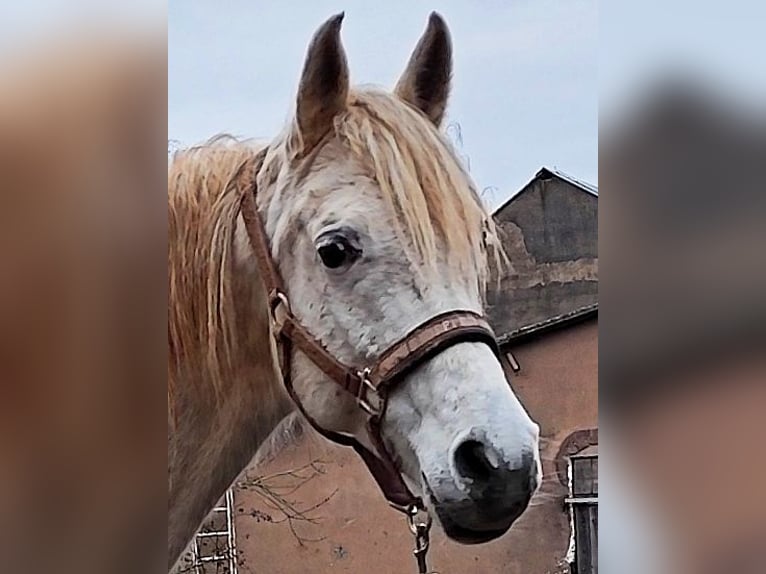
(337, 253)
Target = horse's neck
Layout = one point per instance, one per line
(212, 440)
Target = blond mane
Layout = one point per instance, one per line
(422, 180)
(203, 205)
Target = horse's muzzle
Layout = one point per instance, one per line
(485, 495)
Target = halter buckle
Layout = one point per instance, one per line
(277, 300)
(367, 396)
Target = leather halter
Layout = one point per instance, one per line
(369, 384)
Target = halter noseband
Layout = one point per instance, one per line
(369, 384)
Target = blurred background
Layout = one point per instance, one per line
(682, 237)
(83, 111)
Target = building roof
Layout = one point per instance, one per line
(547, 173)
(585, 186)
(549, 231)
(551, 324)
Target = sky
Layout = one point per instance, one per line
(525, 86)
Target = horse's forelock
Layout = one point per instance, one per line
(422, 180)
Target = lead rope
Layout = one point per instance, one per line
(419, 521)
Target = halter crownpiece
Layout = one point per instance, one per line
(368, 384)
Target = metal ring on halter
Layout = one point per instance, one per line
(276, 299)
(366, 392)
(415, 526)
(400, 508)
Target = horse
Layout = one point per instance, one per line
(375, 228)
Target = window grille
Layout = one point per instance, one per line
(583, 503)
(214, 549)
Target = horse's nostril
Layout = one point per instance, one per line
(471, 461)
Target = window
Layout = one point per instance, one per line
(583, 503)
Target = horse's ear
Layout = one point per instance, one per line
(426, 82)
(323, 90)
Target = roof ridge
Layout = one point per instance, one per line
(557, 320)
(584, 185)
(578, 183)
